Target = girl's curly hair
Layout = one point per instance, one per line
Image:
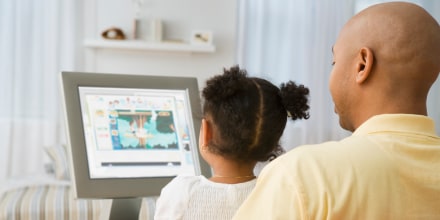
(249, 114)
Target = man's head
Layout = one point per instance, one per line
(385, 60)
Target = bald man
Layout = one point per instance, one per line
(384, 62)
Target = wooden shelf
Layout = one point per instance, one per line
(148, 46)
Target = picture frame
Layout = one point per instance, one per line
(201, 37)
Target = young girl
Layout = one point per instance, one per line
(244, 118)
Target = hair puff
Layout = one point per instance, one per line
(222, 87)
(295, 100)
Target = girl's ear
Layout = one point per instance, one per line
(205, 133)
(365, 61)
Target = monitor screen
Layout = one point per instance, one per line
(133, 133)
(129, 135)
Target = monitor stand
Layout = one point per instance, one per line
(125, 209)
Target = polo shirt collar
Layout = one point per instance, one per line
(406, 123)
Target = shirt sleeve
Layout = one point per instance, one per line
(173, 200)
(275, 196)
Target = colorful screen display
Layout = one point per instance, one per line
(137, 132)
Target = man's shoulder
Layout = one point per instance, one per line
(323, 155)
(314, 150)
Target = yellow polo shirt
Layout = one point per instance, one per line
(389, 168)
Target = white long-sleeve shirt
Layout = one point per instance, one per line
(195, 197)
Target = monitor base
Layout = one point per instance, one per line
(125, 209)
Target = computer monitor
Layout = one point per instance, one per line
(129, 135)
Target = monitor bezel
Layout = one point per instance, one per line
(111, 188)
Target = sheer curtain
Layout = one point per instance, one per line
(37, 41)
(292, 40)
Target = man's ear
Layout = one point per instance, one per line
(365, 61)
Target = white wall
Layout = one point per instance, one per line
(179, 19)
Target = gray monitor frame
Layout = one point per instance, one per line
(84, 186)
